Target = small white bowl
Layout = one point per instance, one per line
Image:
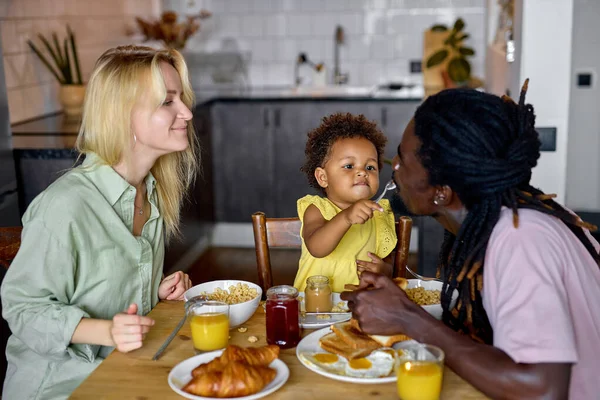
(434, 309)
(238, 313)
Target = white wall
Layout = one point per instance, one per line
(98, 25)
(543, 39)
(583, 161)
(382, 35)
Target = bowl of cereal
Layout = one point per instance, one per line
(242, 296)
(427, 294)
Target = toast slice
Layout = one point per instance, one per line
(334, 344)
(383, 340)
(354, 338)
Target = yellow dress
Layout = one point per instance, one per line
(377, 235)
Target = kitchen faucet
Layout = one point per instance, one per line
(338, 39)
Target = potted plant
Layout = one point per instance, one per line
(447, 57)
(63, 62)
(171, 33)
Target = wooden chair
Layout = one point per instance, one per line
(285, 232)
(10, 240)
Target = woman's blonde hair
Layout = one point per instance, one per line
(122, 77)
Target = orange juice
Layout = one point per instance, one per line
(210, 331)
(419, 380)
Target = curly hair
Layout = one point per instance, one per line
(333, 128)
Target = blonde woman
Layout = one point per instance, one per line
(90, 265)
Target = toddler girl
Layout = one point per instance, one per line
(344, 232)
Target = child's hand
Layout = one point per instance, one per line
(377, 265)
(361, 211)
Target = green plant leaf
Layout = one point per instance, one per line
(462, 37)
(439, 28)
(459, 69)
(437, 58)
(69, 74)
(45, 61)
(59, 56)
(459, 25)
(57, 61)
(449, 39)
(466, 51)
(75, 56)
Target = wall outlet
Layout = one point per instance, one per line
(415, 66)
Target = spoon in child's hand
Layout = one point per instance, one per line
(388, 186)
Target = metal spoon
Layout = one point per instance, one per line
(388, 186)
(421, 277)
(178, 327)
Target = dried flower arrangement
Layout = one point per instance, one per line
(169, 31)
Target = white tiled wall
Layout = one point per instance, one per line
(98, 25)
(382, 36)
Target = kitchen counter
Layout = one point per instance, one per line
(57, 132)
(210, 94)
(48, 132)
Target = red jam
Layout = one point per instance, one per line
(283, 312)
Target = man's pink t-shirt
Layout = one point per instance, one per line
(541, 292)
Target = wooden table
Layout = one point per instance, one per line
(135, 376)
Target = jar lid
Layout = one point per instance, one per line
(282, 291)
(317, 280)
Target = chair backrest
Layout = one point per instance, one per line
(10, 240)
(285, 232)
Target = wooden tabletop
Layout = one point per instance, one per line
(135, 376)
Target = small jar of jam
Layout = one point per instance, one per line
(283, 311)
(318, 294)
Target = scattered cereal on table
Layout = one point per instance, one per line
(323, 316)
(253, 339)
(242, 329)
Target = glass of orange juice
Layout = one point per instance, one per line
(420, 370)
(209, 322)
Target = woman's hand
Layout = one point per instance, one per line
(376, 265)
(128, 330)
(383, 308)
(360, 212)
(174, 286)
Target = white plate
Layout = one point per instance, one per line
(181, 374)
(310, 321)
(310, 345)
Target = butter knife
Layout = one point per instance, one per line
(177, 328)
(170, 338)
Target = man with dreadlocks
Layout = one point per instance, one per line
(527, 320)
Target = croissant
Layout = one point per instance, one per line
(262, 356)
(236, 379)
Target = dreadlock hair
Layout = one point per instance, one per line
(333, 128)
(483, 147)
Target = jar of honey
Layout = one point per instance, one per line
(283, 312)
(318, 294)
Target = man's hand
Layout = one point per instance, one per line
(381, 307)
(174, 286)
(376, 265)
(360, 212)
(128, 330)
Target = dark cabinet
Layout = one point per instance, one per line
(242, 156)
(258, 149)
